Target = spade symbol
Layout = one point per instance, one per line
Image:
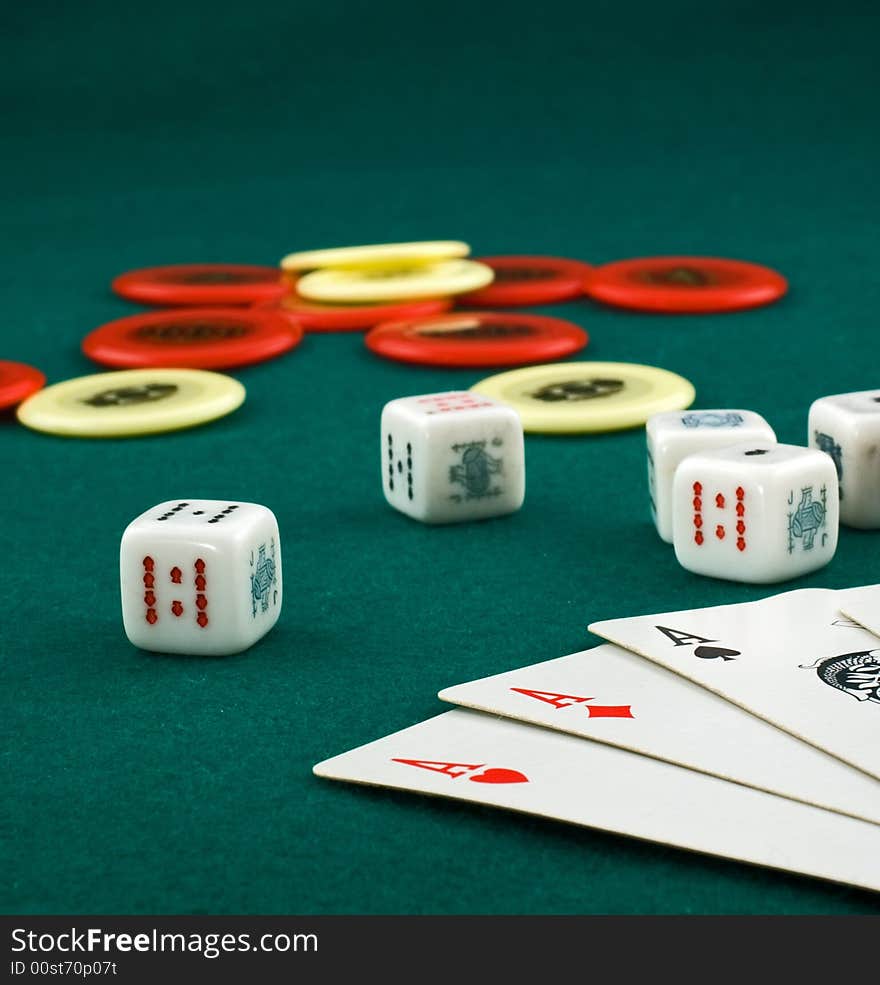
(713, 652)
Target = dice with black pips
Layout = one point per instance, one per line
(673, 435)
(451, 457)
(846, 426)
(200, 576)
(755, 513)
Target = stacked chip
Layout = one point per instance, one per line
(353, 288)
(386, 273)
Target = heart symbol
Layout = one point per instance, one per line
(713, 652)
(500, 776)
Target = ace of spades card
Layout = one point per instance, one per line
(776, 659)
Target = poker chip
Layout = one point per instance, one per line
(685, 285)
(476, 339)
(201, 284)
(380, 255)
(131, 402)
(583, 397)
(199, 338)
(315, 317)
(529, 280)
(18, 381)
(400, 283)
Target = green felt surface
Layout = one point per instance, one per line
(163, 133)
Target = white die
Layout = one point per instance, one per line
(200, 576)
(448, 457)
(755, 512)
(673, 435)
(847, 427)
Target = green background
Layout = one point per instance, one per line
(138, 135)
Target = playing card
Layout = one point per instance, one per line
(862, 605)
(767, 657)
(610, 695)
(502, 763)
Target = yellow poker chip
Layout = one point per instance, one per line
(381, 255)
(582, 397)
(131, 402)
(395, 283)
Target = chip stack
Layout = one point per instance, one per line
(387, 272)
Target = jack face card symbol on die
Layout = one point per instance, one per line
(807, 520)
(264, 579)
(494, 774)
(475, 471)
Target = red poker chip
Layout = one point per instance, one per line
(477, 338)
(18, 381)
(684, 285)
(529, 280)
(205, 284)
(192, 338)
(314, 317)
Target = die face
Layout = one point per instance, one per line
(442, 465)
(847, 428)
(673, 435)
(861, 403)
(219, 520)
(403, 446)
(193, 586)
(756, 513)
(450, 402)
(476, 466)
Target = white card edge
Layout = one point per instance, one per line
(635, 750)
(438, 795)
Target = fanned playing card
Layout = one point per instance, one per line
(787, 659)
(473, 757)
(610, 695)
(862, 606)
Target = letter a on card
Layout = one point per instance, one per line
(680, 638)
(567, 700)
(493, 775)
(451, 769)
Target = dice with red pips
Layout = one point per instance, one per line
(675, 434)
(755, 513)
(449, 457)
(200, 576)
